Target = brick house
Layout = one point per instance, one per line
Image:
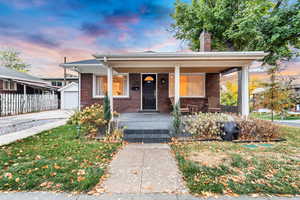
(151, 81)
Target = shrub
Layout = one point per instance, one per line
(91, 118)
(176, 119)
(205, 125)
(257, 129)
(107, 112)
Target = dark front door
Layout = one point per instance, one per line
(149, 91)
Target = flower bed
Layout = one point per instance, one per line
(211, 126)
(92, 122)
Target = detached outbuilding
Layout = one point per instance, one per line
(69, 96)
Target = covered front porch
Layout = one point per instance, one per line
(178, 66)
(155, 81)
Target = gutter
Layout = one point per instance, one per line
(23, 79)
(181, 56)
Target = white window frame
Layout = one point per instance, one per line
(9, 89)
(102, 96)
(204, 86)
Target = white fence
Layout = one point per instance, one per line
(14, 104)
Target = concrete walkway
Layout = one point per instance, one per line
(294, 123)
(65, 196)
(144, 168)
(21, 126)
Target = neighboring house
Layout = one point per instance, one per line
(60, 82)
(69, 96)
(12, 81)
(152, 81)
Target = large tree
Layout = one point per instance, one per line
(11, 58)
(268, 25)
(272, 26)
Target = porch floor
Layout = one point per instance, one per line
(145, 121)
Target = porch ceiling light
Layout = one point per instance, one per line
(149, 79)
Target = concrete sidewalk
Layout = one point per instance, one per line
(144, 168)
(23, 126)
(157, 196)
(293, 123)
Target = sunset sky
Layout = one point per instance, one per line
(47, 30)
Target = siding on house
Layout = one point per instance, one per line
(133, 102)
(20, 89)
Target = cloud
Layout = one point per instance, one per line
(121, 21)
(41, 40)
(21, 4)
(93, 29)
(153, 10)
(6, 25)
(77, 29)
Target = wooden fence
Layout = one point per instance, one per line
(14, 104)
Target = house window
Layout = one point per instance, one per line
(120, 85)
(9, 85)
(191, 85)
(56, 83)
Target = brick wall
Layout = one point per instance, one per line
(212, 84)
(132, 104)
(163, 101)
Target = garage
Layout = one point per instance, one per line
(69, 96)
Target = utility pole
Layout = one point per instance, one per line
(65, 72)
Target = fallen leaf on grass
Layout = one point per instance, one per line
(53, 174)
(80, 178)
(8, 175)
(81, 172)
(56, 166)
(46, 184)
(38, 157)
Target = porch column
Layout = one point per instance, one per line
(110, 88)
(177, 84)
(245, 91)
(239, 100)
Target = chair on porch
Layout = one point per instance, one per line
(186, 108)
(183, 110)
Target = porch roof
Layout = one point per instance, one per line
(209, 62)
(253, 55)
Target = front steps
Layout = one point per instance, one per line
(147, 135)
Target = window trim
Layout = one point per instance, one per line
(9, 89)
(102, 96)
(204, 75)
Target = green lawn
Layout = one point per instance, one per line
(228, 168)
(267, 116)
(54, 160)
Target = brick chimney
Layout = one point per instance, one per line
(205, 41)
